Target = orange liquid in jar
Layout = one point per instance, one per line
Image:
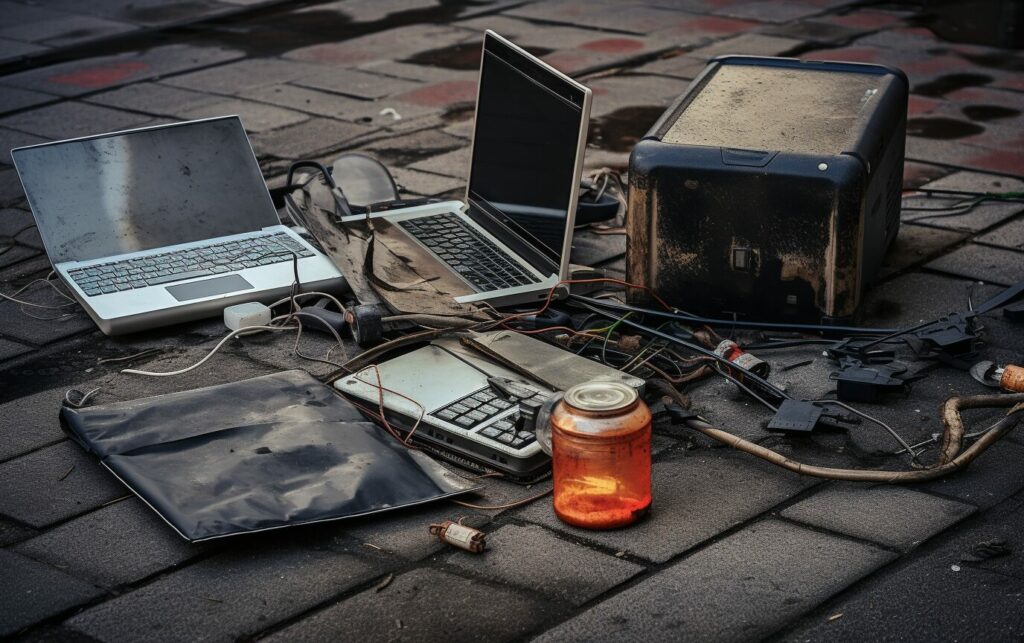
(601, 464)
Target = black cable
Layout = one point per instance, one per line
(707, 321)
(315, 165)
(694, 347)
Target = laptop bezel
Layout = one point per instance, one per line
(255, 226)
(485, 216)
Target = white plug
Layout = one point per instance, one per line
(251, 313)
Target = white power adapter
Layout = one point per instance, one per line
(251, 313)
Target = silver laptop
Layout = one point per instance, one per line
(510, 241)
(161, 225)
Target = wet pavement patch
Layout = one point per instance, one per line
(996, 23)
(612, 45)
(940, 127)
(620, 130)
(950, 83)
(986, 113)
(282, 30)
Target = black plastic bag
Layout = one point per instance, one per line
(263, 453)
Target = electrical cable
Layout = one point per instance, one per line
(132, 371)
(892, 432)
(950, 461)
(507, 505)
(960, 207)
(46, 280)
(707, 321)
(694, 347)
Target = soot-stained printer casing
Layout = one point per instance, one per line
(770, 188)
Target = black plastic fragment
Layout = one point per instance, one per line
(849, 348)
(859, 382)
(954, 335)
(796, 416)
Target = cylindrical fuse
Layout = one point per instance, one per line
(459, 535)
(731, 351)
(1012, 379)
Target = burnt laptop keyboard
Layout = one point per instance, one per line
(475, 257)
(478, 408)
(178, 265)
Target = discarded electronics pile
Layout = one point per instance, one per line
(760, 204)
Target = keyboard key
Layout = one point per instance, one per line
(464, 421)
(446, 414)
(166, 279)
(488, 410)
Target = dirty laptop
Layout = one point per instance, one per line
(509, 242)
(160, 225)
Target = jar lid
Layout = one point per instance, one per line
(600, 396)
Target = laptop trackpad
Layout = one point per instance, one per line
(209, 287)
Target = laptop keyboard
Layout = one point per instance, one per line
(177, 265)
(475, 257)
(478, 408)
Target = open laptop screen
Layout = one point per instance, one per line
(526, 146)
(124, 192)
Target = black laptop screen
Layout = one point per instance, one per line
(118, 193)
(526, 139)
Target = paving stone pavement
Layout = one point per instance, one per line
(734, 549)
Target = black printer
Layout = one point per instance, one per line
(770, 189)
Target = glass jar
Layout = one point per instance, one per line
(601, 456)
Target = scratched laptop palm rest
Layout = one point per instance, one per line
(529, 136)
(160, 225)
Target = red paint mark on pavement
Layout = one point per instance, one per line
(1013, 81)
(613, 45)
(999, 161)
(916, 32)
(987, 96)
(917, 174)
(937, 64)
(441, 94)
(917, 105)
(570, 61)
(96, 77)
(866, 20)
